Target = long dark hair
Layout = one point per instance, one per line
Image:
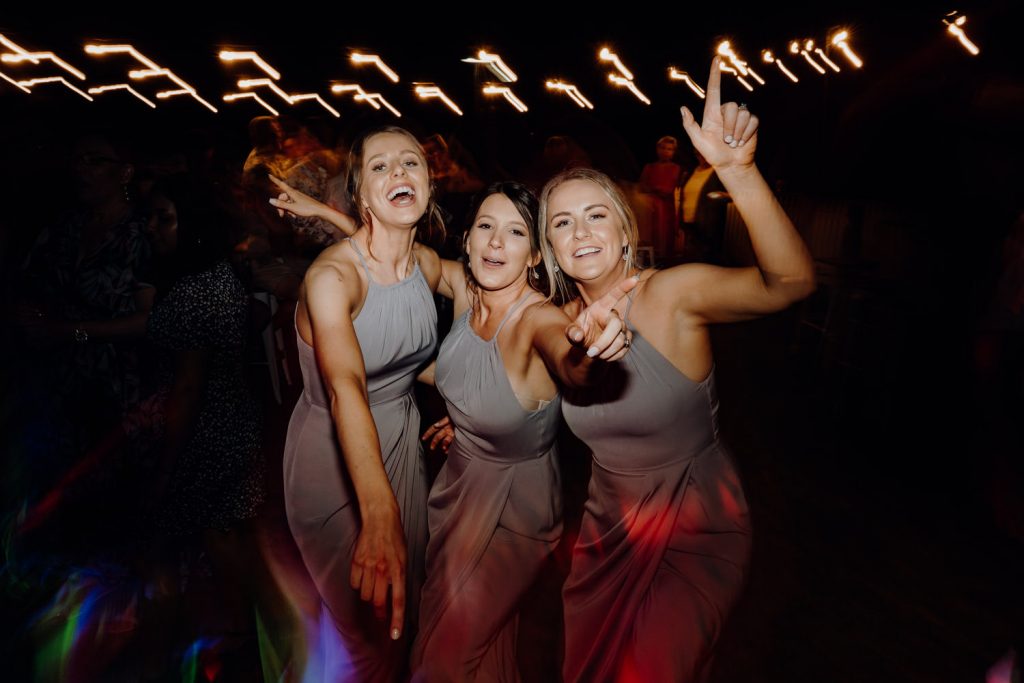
(527, 206)
(204, 232)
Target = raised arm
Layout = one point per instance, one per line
(727, 138)
(299, 203)
(380, 554)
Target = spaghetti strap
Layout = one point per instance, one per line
(629, 307)
(355, 247)
(508, 315)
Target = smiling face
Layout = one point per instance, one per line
(393, 184)
(585, 231)
(498, 245)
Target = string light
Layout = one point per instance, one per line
(572, 91)
(358, 59)
(496, 66)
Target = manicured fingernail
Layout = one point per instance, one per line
(741, 143)
(592, 351)
(728, 138)
(395, 634)
(732, 144)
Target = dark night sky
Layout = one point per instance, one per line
(917, 89)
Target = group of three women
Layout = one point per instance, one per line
(665, 535)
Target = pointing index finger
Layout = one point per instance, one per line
(713, 97)
(608, 301)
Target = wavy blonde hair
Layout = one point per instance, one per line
(563, 286)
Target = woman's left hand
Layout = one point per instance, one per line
(443, 434)
(293, 201)
(727, 137)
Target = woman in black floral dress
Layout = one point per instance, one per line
(209, 468)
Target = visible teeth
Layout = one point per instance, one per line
(402, 189)
(586, 250)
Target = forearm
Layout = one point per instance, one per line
(182, 407)
(336, 218)
(782, 256)
(576, 369)
(360, 448)
(125, 328)
(181, 416)
(426, 376)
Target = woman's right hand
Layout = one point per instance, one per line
(293, 201)
(379, 562)
(599, 327)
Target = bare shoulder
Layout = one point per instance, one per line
(334, 270)
(430, 263)
(675, 288)
(541, 313)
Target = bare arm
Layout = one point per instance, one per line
(454, 285)
(182, 410)
(576, 351)
(49, 332)
(427, 374)
(727, 138)
(380, 555)
(301, 204)
(124, 328)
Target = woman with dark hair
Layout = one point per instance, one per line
(354, 477)
(210, 473)
(495, 507)
(665, 536)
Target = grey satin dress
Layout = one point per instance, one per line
(494, 512)
(397, 333)
(665, 537)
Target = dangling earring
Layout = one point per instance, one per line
(127, 196)
(627, 251)
(556, 269)
(533, 273)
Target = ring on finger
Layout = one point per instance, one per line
(743, 106)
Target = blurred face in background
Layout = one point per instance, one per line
(162, 228)
(666, 150)
(98, 174)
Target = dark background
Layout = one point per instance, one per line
(881, 551)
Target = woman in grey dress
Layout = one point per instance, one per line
(355, 482)
(665, 537)
(495, 508)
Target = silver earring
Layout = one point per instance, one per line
(557, 268)
(626, 252)
(533, 273)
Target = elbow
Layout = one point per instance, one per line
(784, 291)
(799, 288)
(804, 285)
